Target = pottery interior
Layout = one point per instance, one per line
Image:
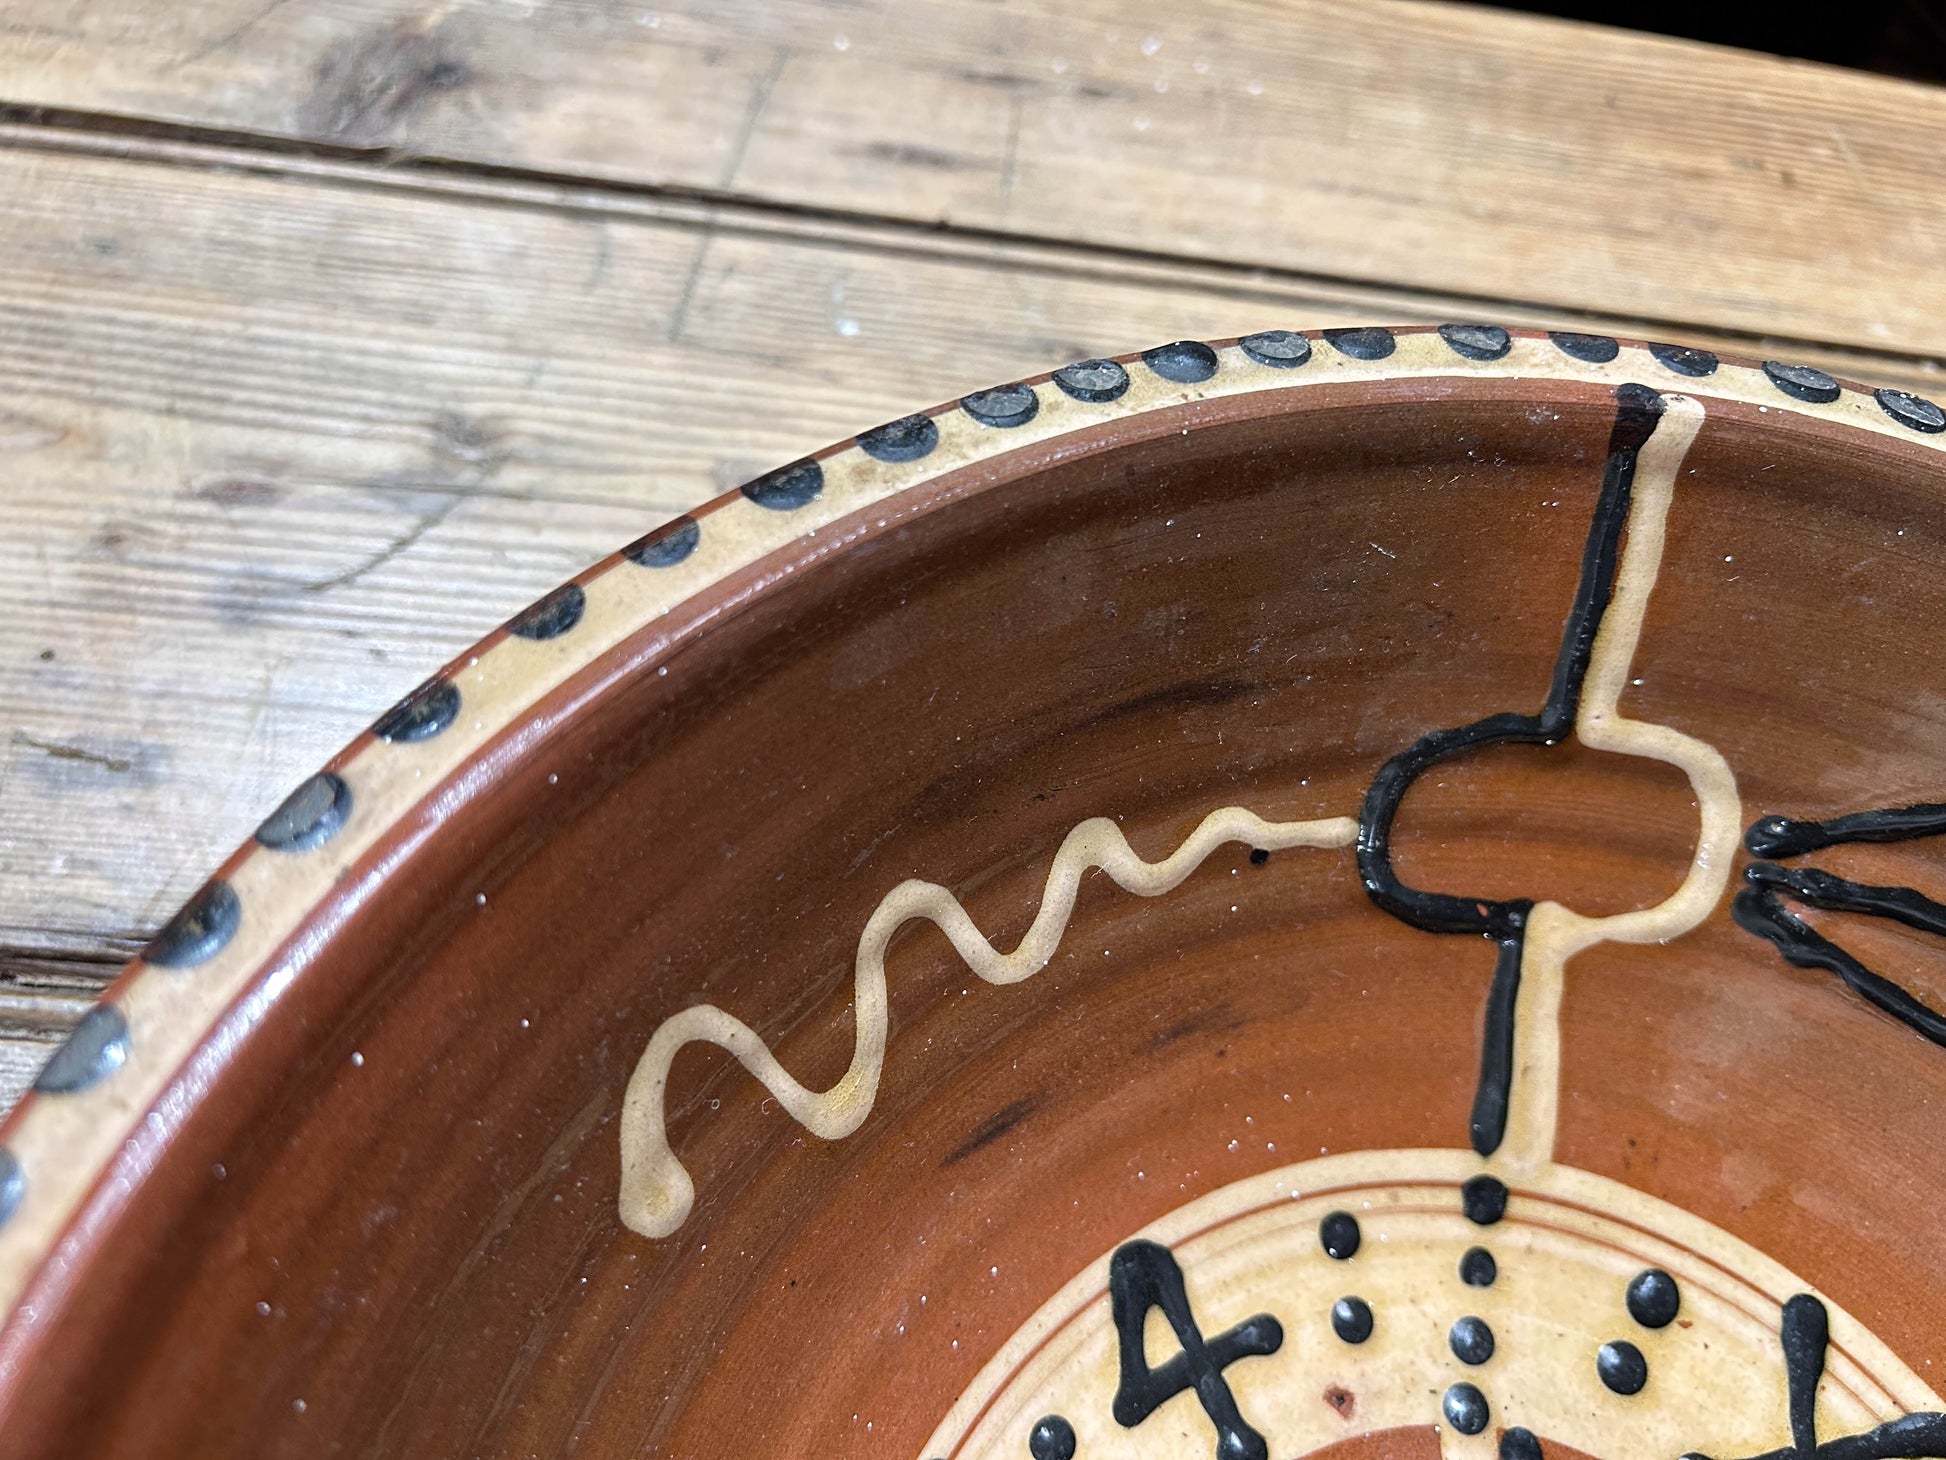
(379, 1209)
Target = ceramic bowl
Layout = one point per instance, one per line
(1354, 893)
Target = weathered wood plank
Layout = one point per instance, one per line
(1435, 146)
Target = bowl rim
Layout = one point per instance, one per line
(137, 1064)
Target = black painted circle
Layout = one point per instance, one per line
(1351, 1319)
(1259, 856)
(906, 439)
(1183, 361)
(1092, 380)
(1466, 1409)
(13, 1184)
(420, 715)
(1004, 405)
(1471, 1340)
(1477, 1268)
(1519, 1444)
(1484, 1199)
(1362, 344)
(309, 817)
(1685, 360)
(1052, 1438)
(1801, 382)
(787, 488)
(94, 1049)
(1339, 1235)
(1654, 1299)
(1595, 349)
(552, 616)
(1622, 1367)
(1912, 411)
(199, 930)
(1279, 349)
(668, 545)
(1477, 341)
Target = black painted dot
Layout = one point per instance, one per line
(1654, 1299)
(1258, 856)
(309, 817)
(1622, 1367)
(13, 1184)
(94, 1049)
(1684, 359)
(1477, 1268)
(1471, 1340)
(552, 616)
(1519, 1444)
(906, 439)
(668, 545)
(1184, 361)
(1092, 380)
(199, 930)
(1279, 349)
(420, 715)
(1913, 411)
(1484, 1200)
(1339, 1235)
(787, 488)
(1477, 341)
(1351, 1319)
(1362, 344)
(1004, 405)
(1801, 382)
(1052, 1438)
(1466, 1409)
(1594, 349)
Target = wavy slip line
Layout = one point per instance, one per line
(657, 1193)
(1556, 933)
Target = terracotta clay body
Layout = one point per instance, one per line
(371, 1200)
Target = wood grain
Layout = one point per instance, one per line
(1431, 146)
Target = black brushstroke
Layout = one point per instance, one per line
(1495, 1090)
(992, 1129)
(1782, 836)
(1759, 907)
(1841, 894)
(1144, 1275)
(1505, 920)
(1806, 1333)
(1759, 910)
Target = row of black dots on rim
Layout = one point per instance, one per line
(1190, 362)
(312, 814)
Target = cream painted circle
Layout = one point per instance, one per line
(1566, 1249)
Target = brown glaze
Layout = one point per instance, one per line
(381, 1218)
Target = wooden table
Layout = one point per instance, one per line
(332, 335)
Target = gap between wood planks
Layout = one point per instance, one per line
(106, 136)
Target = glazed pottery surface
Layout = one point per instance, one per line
(1342, 893)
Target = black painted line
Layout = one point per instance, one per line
(1495, 1093)
(1781, 836)
(1638, 411)
(1758, 909)
(1822, 889)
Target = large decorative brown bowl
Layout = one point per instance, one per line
(1352, 893)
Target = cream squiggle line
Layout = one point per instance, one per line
(657, 1193)
(1556, 933)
